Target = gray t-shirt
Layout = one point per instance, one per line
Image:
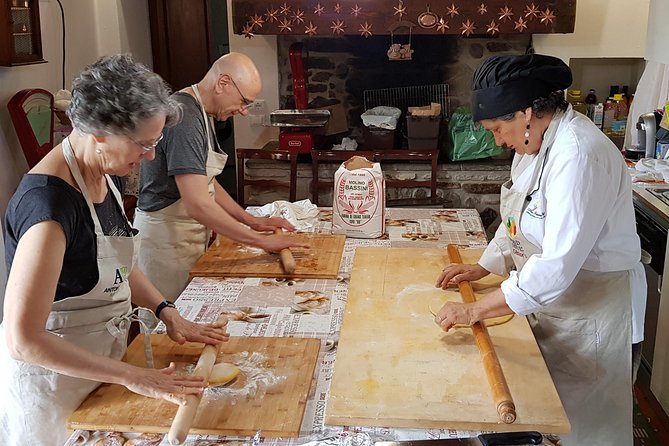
(183, 150)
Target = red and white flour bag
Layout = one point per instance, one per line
(359, 199)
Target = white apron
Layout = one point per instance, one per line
(172, 241)
(36, 402)
(585, 336)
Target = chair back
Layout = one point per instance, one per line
(31, 112)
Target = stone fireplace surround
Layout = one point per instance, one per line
(340, 69)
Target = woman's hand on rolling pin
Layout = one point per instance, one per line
(165, 384)
(457, 272)
(454, 313)
(262, 224)
(275, 243)
(181, 330)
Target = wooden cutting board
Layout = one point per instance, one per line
(226, 258)
(396, 368)
(280, 368)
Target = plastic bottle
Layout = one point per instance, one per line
(590, 101)
(620, 116)
(609, 115)
(591, 98)
(574, 98)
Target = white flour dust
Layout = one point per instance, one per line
(414, 289)
(251, 250)
(253, 381)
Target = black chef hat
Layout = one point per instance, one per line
(506, 84)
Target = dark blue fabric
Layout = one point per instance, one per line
(44, 197)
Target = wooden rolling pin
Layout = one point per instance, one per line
(186, 414)
(506, 409)
(286, 256)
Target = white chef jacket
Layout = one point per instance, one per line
(580, 214)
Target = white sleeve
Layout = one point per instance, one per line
(497, 256)
(580, 192)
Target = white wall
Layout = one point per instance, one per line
(604, 28)
(93, 28)
(262, 49)
(657, 48)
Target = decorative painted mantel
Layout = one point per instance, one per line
(383, 17)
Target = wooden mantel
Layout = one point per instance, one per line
(381, 17)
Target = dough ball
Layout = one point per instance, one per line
(223, 373)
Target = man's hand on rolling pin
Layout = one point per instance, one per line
(263, 224)
(455, 313)
(181, 330)
(165, 384)
(457, 272)
(275, 243)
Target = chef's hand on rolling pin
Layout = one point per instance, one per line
(455, 313)
(457, 272)
(262, 224)
(275, 243)
(163, 383)
(181, 330)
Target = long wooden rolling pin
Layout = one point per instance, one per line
(506, 409)
(286, 256)
(186, 414)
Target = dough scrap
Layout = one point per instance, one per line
(437, 302)
(145, 440)
(223, 373)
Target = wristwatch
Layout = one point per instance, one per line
(164, 304)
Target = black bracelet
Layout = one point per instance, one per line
(164, 304)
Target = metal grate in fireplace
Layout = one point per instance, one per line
(414, 96)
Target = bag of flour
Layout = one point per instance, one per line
(359, 198)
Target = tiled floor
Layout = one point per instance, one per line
(651, 424)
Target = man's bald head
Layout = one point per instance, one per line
(241, 69)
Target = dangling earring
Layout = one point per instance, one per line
(98, 151)
(527, 134)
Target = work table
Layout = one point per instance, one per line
(204, 298)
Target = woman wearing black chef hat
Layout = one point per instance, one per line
(567, 240)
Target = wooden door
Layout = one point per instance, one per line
(181, 40)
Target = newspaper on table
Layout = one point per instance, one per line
(314, 308)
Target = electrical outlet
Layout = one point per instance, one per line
(257, 108)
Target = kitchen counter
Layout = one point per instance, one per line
(643, 194)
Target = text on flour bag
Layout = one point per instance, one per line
(358, 199)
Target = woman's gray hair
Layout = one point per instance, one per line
(115, 95)
(555, 101)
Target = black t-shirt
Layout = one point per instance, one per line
(44, 197)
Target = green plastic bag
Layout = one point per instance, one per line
(468, 140)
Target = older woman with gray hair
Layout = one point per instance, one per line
(71, 256)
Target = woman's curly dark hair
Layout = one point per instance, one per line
(550, 104)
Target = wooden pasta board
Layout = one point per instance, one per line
(396, 368)
(226, 258)
(277, 411)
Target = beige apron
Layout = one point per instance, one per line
(36, 401)
(585, 336)
(172, 241)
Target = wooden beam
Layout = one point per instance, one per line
(380, 17)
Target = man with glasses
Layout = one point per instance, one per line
(180, 200)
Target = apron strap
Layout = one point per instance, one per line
(119, 326)
(208, 121)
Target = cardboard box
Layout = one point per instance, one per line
(337, 122)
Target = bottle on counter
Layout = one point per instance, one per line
(574, 98)
(609, 115)
(620, 116)
(590, 101)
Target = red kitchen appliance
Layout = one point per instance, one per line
(295, 135)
